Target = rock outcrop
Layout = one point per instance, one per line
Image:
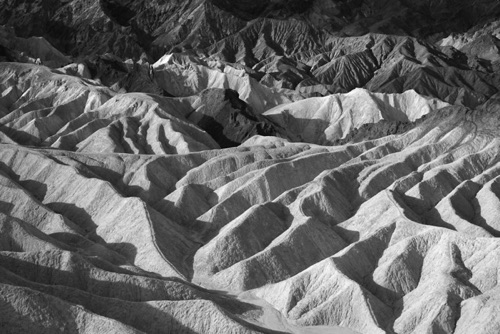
(323, 120)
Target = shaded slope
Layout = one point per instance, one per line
(129, 27)
(281, 46)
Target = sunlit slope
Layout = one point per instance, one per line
(360, 236)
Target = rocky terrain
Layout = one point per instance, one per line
(209, 166)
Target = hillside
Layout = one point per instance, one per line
(209, 166)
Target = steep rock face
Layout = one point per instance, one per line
(480, 45)
(323, 64)
(392, 64)
(229, 120)
(186, 75)
(127, 27)
(47, 108)
(282, 46)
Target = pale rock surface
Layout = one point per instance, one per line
(46, 108)
(321, 120)
(181, 75)
(360, 236)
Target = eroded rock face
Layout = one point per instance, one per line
(313, 48)
(125, 27)
(384, 235)
(324, 120)
(229, 120)
(252, 167)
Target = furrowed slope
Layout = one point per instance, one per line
(359, 236)
(43, 107)
(322, 120)
(314, 47)
(206, 166)
(127, 27)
